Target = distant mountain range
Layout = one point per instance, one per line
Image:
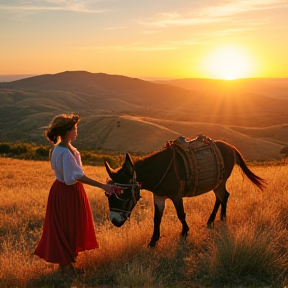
(14, 77)
(126, 114)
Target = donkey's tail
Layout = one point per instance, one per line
(258, 181)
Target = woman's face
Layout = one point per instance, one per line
(72, 133)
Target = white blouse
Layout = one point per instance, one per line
(67, 167)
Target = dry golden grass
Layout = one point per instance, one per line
(250, 250)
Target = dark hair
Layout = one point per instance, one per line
(59, 126)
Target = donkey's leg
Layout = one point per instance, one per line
(210, 222)
(159, 205)
(178, 203)
(224, 206)
(221, 198)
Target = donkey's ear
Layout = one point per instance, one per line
(134, 177)
(129, 159)
(109, 170)
(128, 164)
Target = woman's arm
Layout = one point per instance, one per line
(109, 189)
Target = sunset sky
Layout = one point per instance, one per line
(153, 38)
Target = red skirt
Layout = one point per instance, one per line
(68, 226)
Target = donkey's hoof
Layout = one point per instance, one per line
(210, 225)
(184, 235)
(151, 245)
(223, 218)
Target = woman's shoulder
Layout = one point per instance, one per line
(60, 150)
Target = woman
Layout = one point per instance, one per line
(68, 226)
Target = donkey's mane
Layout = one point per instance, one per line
(150, 156)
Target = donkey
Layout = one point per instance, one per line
(167, 173)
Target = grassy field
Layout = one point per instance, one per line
(250, 250)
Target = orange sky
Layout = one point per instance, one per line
(159, 38)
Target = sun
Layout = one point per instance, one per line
(228, 62)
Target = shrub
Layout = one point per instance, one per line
(4, 148)
(18, 149)
(284, 150)
(42, 151)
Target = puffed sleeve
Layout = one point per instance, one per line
(71, 169)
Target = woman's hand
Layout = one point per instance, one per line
(108, 188)
(111, 189)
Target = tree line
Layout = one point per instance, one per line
(31, 151)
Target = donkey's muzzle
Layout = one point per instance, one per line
(117, 218)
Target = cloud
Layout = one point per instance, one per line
(136, 46)
(148, 46)
(33, 7)
(207, 14)
(115, 28)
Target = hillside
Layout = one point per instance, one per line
(132, 115)
(270, 87)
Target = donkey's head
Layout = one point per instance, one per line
(121, 204)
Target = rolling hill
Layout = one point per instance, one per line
(132, 115)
